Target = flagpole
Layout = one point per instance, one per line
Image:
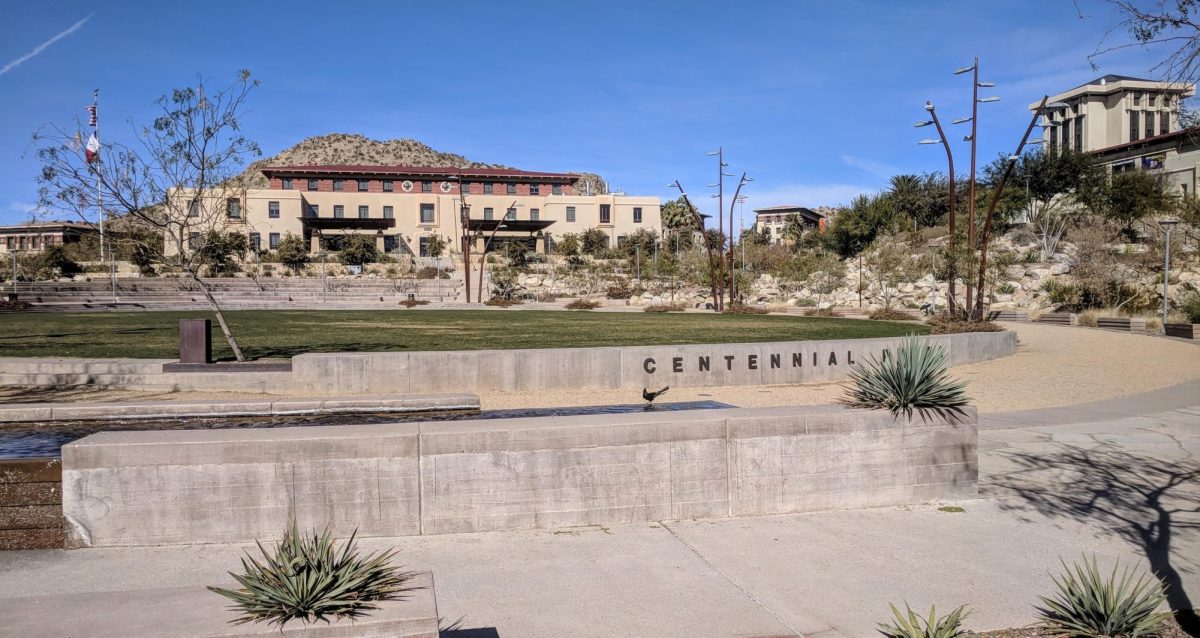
(95, 122)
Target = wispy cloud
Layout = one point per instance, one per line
(828, 194)
(871, 167)
(42, 47)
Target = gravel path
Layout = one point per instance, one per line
(1054, 366)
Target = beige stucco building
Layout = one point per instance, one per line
(403, 207)
(1128, 124)
(36, 237)
(772, 220)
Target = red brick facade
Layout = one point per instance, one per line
(375, 185)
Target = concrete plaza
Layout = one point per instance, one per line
(1120, 479)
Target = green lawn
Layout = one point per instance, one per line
(283, 333)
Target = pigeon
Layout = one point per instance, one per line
(651, 396)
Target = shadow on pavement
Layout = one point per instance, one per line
(1145, 500)
(457, 630)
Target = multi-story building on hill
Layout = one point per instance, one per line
(36, 237)
(403, 207)
(771, 221)
(1128, 124)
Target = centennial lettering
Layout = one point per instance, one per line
(832, 358)
(677, 364)
(797, 360)
(703, 364)
(814, 359)
(775, 361)
(849, 358)
(648, 365)
(729, 362)
(752, 361)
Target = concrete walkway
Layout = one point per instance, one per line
(1055, 485)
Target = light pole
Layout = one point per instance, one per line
(1168, 225)
(933, 246)
(736, 195)
(975, 101)
(742, 227)
(952, 272)
(699, 221)
(722, 257)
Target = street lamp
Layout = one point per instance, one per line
(933, 246)
(950, 162)
(1168, 225)
(973, 138)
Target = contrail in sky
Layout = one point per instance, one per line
(42, 47)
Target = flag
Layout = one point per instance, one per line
(92, 152)
(91, 109)
(76, 142)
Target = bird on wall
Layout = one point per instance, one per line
(651, 396)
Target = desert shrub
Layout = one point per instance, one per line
(1189, 305)
(909, 624)
(739, 308)
(1089, 318)
(427, 272)
(1006, 288)
(889, 314)
(916, 376)
(358, 250)
(945, 324)
(821, 312)
(619, 289)
(594, 242)
(410, 303)
(1022, 236)
(806, 302)
(309, 578)
(666, 307)
(293, 252)
(502, 302)
(1089, 604)
(583, 304)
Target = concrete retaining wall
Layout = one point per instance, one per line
(626, 367)
(189, 486)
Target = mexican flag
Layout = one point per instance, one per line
(92, 152)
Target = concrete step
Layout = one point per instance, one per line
(15, 365)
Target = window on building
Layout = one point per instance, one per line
(637, 215)
(313, 184)
(8, 242)
(287, 183)
(364, 212)
(535, 214)
(1053, 136)
(570, 213)
(487, 188)
(233, 209)
(464, 187)
(193, 241)
(194, 208)
(273, 240)
(535, 189)
(273, 210)
(605, 214)
(426, 187)
(387, 185)
(487, 213)
(388, 212)
(426, 213)
(363, 184)
(556, 189)
(255, 242)
(390, 243)
(424, 246)
(1079, 132)
(510, 189)
(1137, 98)
(1164, 122)
(1149, 123)
(1134, 128)
(339, 211)
(314, 210)
(510, 213)
(339, 184)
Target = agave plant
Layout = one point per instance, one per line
(1088, 604)
(916, 376)
(309, 578)
(909, 624)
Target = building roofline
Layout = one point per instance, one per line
(30, 226)
(771, 210)
(1142, 142)
(1107, 84)
(416, 171)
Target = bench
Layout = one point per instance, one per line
(1122, 323)
(1007, 315)
(1183, 330)
(1059, 318)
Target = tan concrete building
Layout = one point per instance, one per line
(38, 237)
(1128, 124)
(771, 221)
(403, 207)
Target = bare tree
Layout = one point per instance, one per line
(180, 180)
(1170, 25)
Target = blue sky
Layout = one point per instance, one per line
(815, 100)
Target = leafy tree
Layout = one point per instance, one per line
(594, 242)
(181, 180)
(856, 226)
(568, 245)
(358, 250)
(643, 240)
(891, 266)
(754, 237)
(222, 250)
(793, 229)
(1128, 197)
(293, 252)
(676, 216)
(436, 246)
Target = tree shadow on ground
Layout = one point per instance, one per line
(1144, 500)
(457, 630)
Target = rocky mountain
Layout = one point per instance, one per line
(349, 149)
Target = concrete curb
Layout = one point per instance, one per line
(266, 407)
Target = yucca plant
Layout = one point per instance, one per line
(910, 625)
(915, 376)
(309, 578)
(1089, 604)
